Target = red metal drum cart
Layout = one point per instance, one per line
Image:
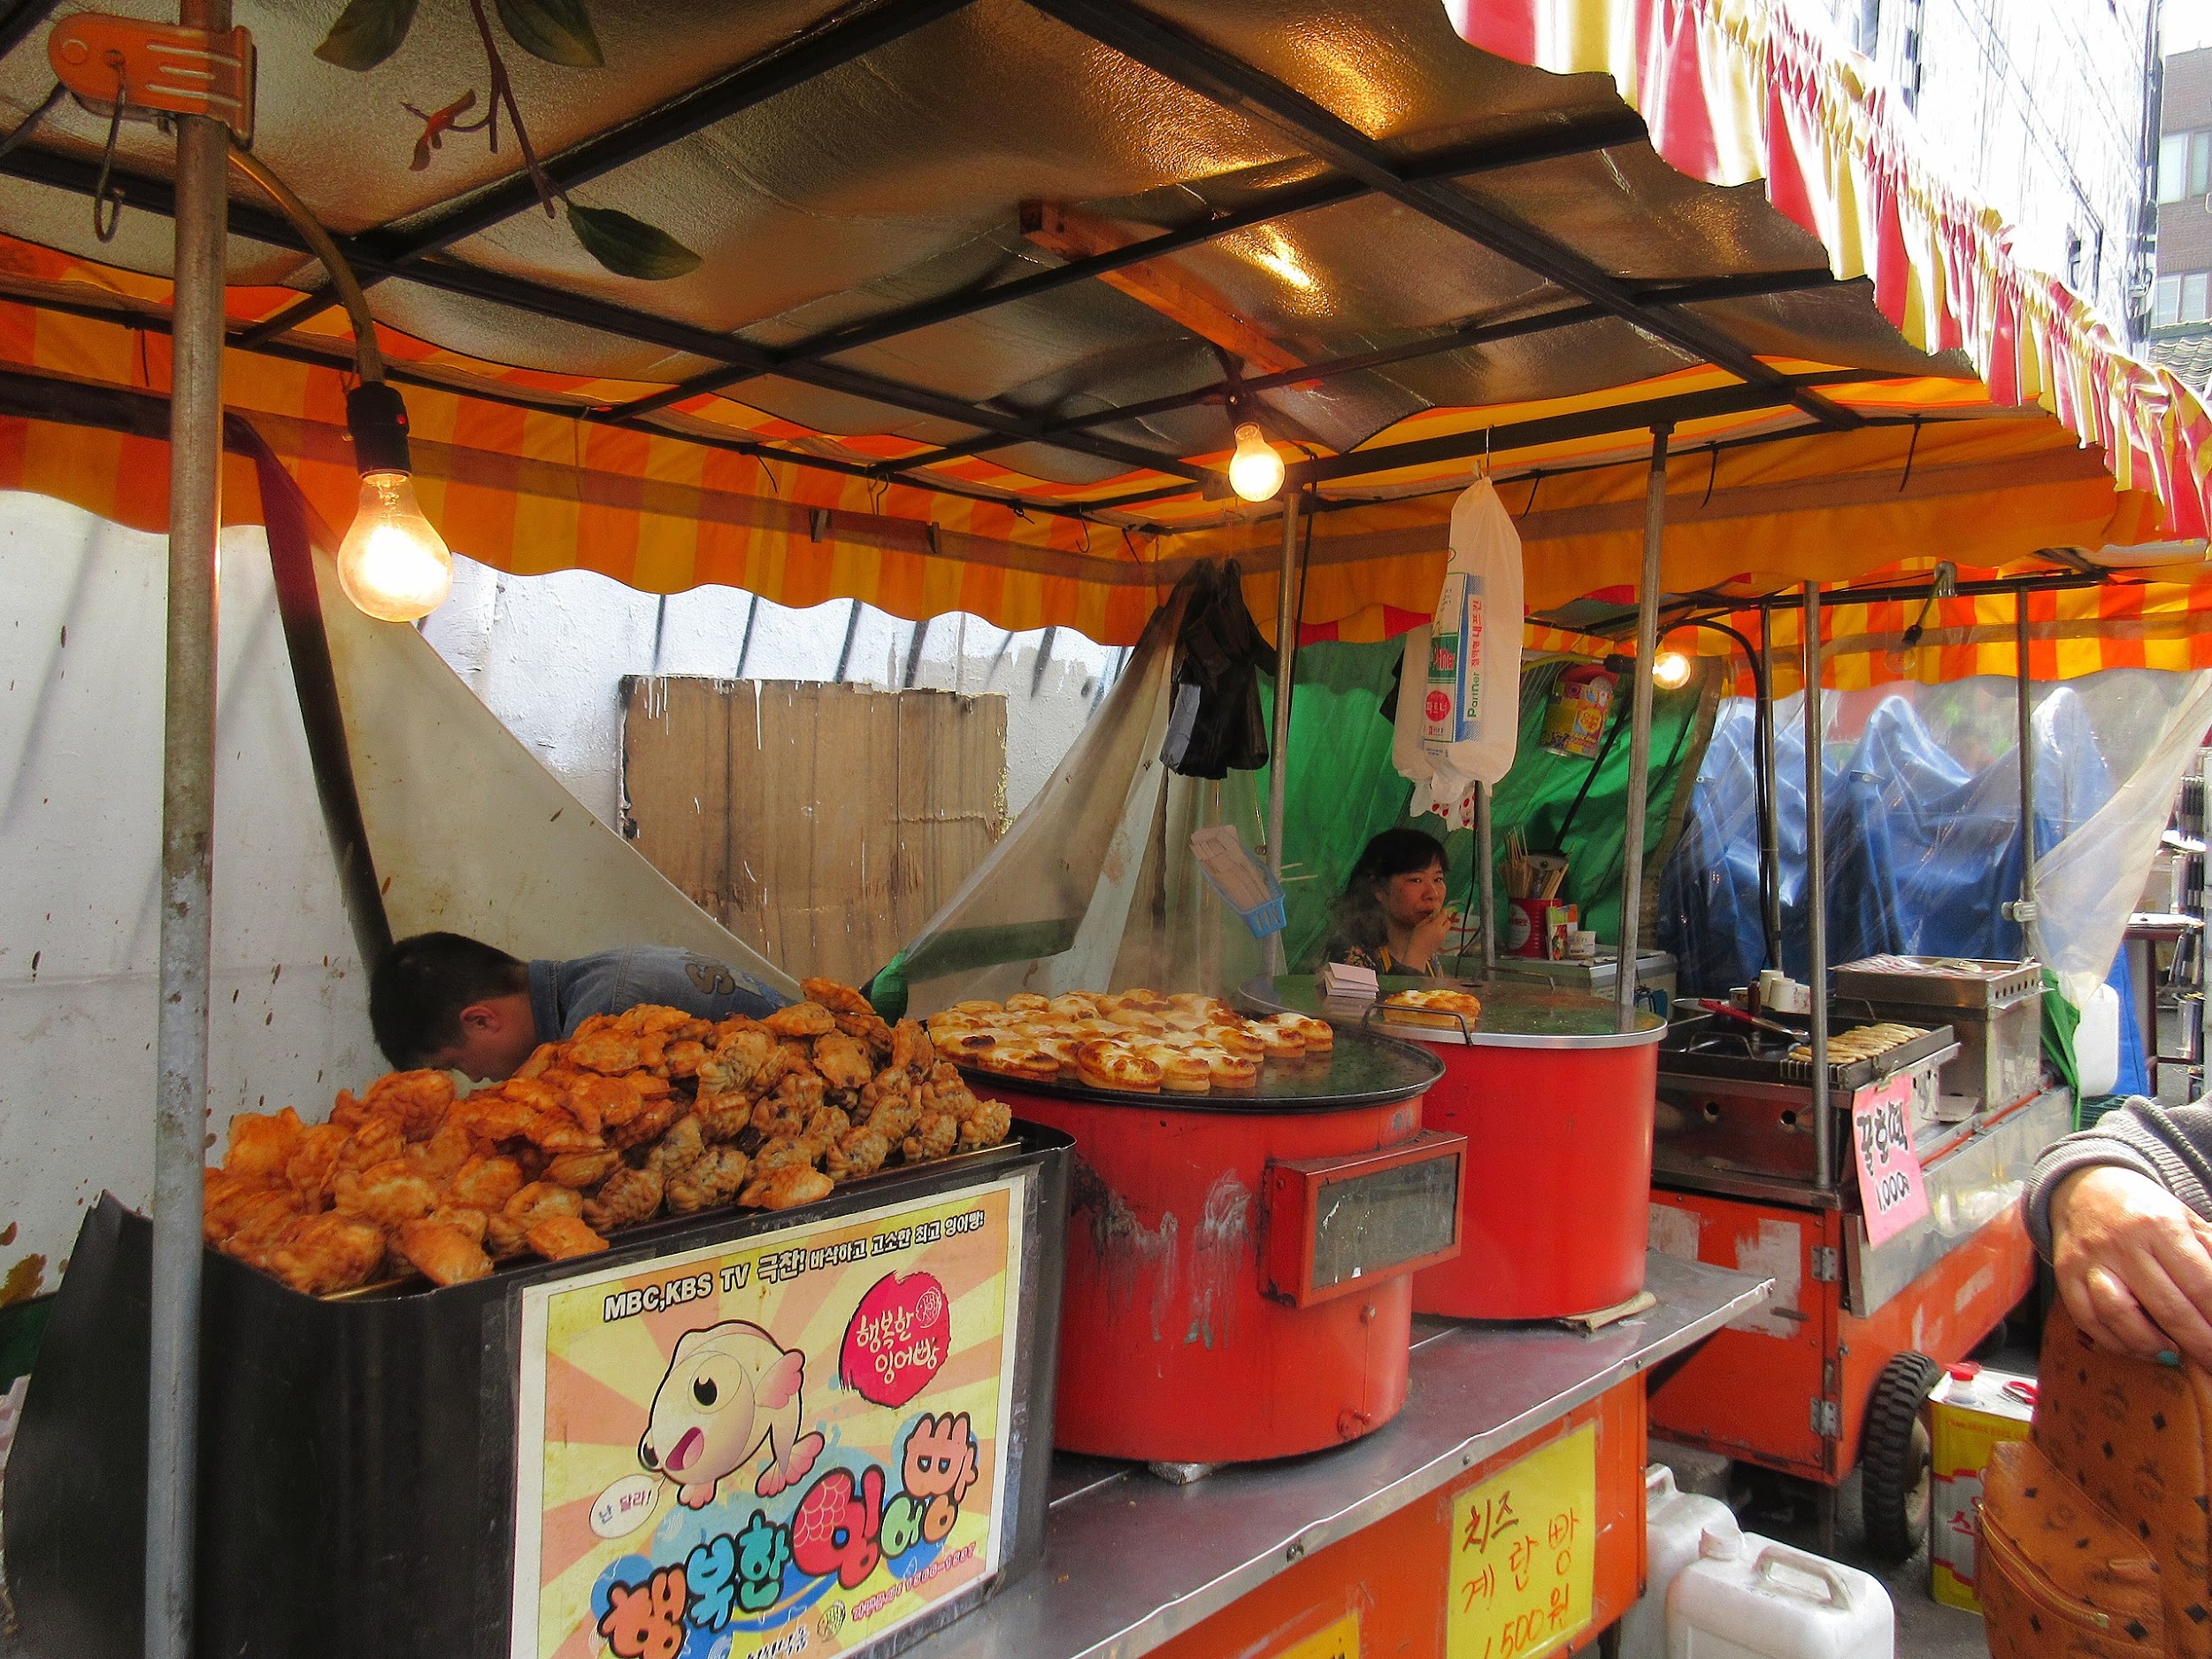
(1240, 1267)
(1555, 1104)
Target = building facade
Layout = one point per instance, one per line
(2181, 294)
(2044, 109)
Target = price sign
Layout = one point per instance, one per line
(1890, 1187)
(1524, 1550)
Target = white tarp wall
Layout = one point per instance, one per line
(81, 689)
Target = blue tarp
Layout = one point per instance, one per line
(1923, 847)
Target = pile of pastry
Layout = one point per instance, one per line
(1434, 1005)
(1136, 1040)
(1861, 1042)
(637, 1114)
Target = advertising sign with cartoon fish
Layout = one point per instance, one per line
(789, 1443)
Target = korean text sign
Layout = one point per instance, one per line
(1524, 1553)
(788, 1443)
(1890, 1185)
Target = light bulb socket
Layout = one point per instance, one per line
(377, 417)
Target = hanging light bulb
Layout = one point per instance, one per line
(1671, 671)
(391, 564)
(1255, 472)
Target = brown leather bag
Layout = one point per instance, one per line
(2094, 1529)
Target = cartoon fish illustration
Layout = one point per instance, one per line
(731, 1389)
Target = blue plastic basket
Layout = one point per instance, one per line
(1263, 919)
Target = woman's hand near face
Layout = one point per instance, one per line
(2133, 1264)
(1429, 935)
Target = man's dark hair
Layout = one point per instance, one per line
(418, 989)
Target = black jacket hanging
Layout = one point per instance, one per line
(1216, 721)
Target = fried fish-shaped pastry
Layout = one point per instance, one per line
(326, 1254)
(440, 1158)
(826, 1125)
(911, 1047)
(786, 1188)
(485, 1183)
(376, 1139)
(557, 1238)
(648, 1125)
(871, 1033)
(240, 1213)
(389, 1194)
(859, 1152)
(531, 1204)
(844, 1062)
(624, 1198)
(416, 1099)
(441, 1254)
(736, 1060)
(934, 1135)
(544, 1056)
(802, 1020)
(684, 1058)
(714, 1180)
(723, 1116)
(313, 1165)
(681, 1147)
(580, 1169)
(986, 1126)
(461, 1219)
(839, 999)
(261, 1145)
(783, 1152)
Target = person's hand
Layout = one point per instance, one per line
(1429, 934)
(2134, 1264)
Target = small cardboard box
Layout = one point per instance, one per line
(1972, 1410)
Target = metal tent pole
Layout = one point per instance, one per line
(1286, 660)
(187, 834)
(1770, 803)
(1640, 727)
(2025, 911)
(1484, 885)
(1816, 888)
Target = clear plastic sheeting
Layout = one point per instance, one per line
(1094, 887)
(1921, 791)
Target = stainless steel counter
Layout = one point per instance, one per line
(1131, 1561)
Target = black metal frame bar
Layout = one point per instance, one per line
(1175, 54)
(844, 37)
(1277, 205)
(68, 172)
(1750, 286)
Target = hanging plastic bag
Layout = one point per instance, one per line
(1460, 713)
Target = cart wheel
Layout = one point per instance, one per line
(1894, 1459)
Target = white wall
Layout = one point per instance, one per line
(81, 695)
(547, 654)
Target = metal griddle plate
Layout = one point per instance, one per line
(1773, 1065)
(1361, 1070)
(1515, 1013)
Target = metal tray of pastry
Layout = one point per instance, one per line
(1729, 1057)
(1361, 1069)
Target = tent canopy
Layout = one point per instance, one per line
(976, 280)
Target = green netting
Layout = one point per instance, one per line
(1343, 790)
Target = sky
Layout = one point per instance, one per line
(2185, 25)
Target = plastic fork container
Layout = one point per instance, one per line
(1751, 1598)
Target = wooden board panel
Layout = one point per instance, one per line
(821, 824)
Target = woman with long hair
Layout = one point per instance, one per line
(1390, 915)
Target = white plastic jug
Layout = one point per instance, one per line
(1674, 1521)
(1751, 1598)
(2097, 1042)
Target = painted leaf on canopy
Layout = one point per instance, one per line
(366, 33)
(630, 247)
(558, 31)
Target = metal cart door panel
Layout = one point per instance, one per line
(1759, 1388)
